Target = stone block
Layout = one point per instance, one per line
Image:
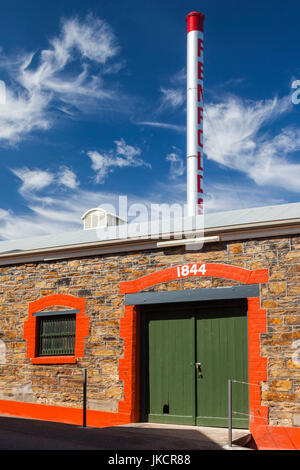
(277, 287)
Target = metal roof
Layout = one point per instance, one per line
(254, 215)
(284, 214)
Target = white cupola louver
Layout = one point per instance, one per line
(99, 218)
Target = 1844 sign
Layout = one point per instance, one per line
(189, 270)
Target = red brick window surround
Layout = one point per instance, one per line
(51, 303)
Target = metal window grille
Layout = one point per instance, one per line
(57, 335)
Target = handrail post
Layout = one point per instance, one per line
(84, 398)
(229, 413)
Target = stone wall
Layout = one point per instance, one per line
(97, 279)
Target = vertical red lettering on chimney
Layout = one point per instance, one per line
(200, 92)
(200, 157)
(199, 178)
(200, 71)
(200, 207)
(200, 115)
(200, 47)
(200, 132)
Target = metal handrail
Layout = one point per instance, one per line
(231, 412)
(84, 398)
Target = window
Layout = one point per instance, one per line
(56, 335)
(55, 329)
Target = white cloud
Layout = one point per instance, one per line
(236, 137)
(40, 83)
(93, 37)
(14, 225)
(219, 197)
(60, 212)
(90, 39)
(33, 180)
(163, 125)
(179, 77)
(36, 180)
(123, 156)
(22, 113)
(67, 178)
(57, 214)
(177, 167)
(231, 127)
(172, 97)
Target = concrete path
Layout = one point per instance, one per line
(27, 434)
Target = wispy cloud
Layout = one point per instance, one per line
(177, 167)
(36, 180)
(46, 216)
(171, 100)
(179, 77)
(40, 82)
(220, 197)
(163, 125)
(238, 136)
(123, 155)
(68, 178)
(33, 180)
(54, 200)
(172, 97)
(50, 211)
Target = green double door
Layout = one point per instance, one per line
(190, 352)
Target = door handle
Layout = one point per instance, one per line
(198, 368)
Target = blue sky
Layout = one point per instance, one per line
(95, 107)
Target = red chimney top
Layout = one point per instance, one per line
(195, 21)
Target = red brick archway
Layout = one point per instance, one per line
(225, 271)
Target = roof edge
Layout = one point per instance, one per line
(142, 243)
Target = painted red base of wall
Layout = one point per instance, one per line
(276, 438)
(61, 414)
(266, 437)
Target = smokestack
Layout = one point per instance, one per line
(195, 113)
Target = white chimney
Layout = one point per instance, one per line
(195, 113)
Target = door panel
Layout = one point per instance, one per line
(213, 333)
(222, 352)
(171, 361)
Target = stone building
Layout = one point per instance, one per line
(159, 329)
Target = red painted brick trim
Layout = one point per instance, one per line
(82, 328)
(54, 360)
(257, 365)
(265, 436)
(129, 370)
(224, 271)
